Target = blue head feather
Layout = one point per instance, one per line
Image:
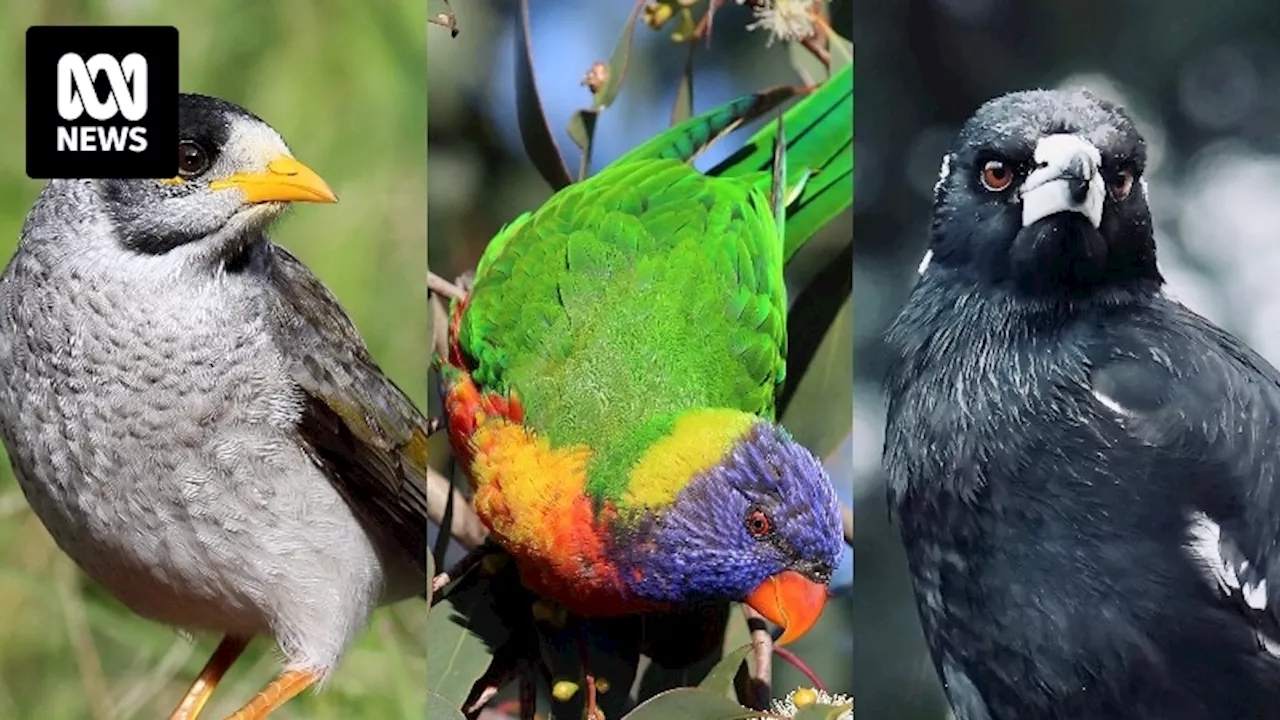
(700, 547)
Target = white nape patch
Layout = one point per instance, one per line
(1110, 403)
(943, 174)
(924, 262)
(1046, 191)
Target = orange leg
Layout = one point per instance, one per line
(281, 690)
(198, 694)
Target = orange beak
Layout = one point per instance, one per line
(790, 601)
(285, 180)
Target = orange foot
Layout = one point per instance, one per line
(281, 690)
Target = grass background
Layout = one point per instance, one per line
(344, 83)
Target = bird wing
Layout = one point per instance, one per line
(1208, 408)
(646, 289)
(356, 423)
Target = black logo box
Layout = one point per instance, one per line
(46, 44)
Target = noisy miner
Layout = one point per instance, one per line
(194, 418)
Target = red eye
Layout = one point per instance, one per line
(996, 176)
(758, 523)
(1122, 186)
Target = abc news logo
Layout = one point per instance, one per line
(102, 102)
(127, 97)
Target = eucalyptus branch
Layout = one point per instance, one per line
(446, 20)
(465, 525)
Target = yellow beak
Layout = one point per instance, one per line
(285, 180)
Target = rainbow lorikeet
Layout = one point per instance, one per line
(610, 386)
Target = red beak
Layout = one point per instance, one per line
(790, 601)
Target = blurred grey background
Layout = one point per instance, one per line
(1202, 79)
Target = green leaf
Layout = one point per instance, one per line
(535, 133)
(690, 704)
(817, 711)
(582, 130)
(582, 125)
(462, 631)
(619, 62)
(439, 707)
(819, 354)
(720, 679)
(683, 108)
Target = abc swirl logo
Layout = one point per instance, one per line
(126, 97)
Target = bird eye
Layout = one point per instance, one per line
(192, 159)
(996, 176)
(758, 523)
(1122, 186)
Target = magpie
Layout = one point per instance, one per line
(1083, 471)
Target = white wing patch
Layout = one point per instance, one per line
(924, 262)
(1226, 568)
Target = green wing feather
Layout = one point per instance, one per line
(819, 142)
(586, 309)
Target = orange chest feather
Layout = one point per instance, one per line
(532, 498)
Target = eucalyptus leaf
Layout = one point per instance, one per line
(440, 708)
(463, 630)
(819, 355)
(690, 704)
(619, 61)
(535, 132)
(683, 108)
(720, 679)
(582, 130)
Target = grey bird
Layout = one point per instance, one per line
(194, 418)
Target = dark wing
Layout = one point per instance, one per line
(357, 424)
(1208, 407)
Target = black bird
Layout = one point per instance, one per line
(1084, 471)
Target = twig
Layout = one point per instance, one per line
(141, 693)
(846, 515)
(503, 668)
(439, 326)
(800, 665)
(439, 285)
(704, 25)
(528, 695)
(465, 525)
(88, 660)
(446, 20)
(762, 651)
(460, 568)
(434, 425)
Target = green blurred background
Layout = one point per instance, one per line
(343, 82)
